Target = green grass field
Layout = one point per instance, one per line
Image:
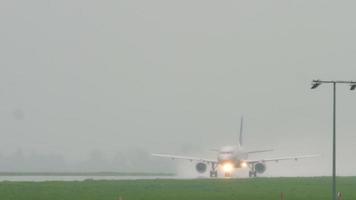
(204, 189)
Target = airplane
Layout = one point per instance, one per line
(233, 157)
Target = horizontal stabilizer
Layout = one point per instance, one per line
(216, 150)
(259, 151)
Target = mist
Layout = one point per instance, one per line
(100, 85)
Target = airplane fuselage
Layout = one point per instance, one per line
(231, 154)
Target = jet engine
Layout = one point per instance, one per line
(201, 167)
(260, 167)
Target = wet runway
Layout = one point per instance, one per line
(79, 178)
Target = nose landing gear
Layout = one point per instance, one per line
(228, 175)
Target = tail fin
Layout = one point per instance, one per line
(241, 131)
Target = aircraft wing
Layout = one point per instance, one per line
(173, 157)
(281, 158)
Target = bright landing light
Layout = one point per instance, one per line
(243, 165)
(228, 167)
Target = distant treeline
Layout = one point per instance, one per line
(84, 174)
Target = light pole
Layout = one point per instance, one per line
(352, 84)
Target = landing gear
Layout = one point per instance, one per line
(252, 172)
(213, 171)
(228, 175)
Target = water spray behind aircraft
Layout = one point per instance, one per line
(231, 158)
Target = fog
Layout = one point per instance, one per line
(100, 85)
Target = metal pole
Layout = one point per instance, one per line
(334, 144)
(315, 84)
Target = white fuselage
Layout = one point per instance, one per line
(231, 154)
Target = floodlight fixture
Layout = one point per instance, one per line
(315, 84)
(353, 86)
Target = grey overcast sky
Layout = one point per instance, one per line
(86, 77)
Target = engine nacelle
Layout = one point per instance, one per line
(201, 167)
(260, 167)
